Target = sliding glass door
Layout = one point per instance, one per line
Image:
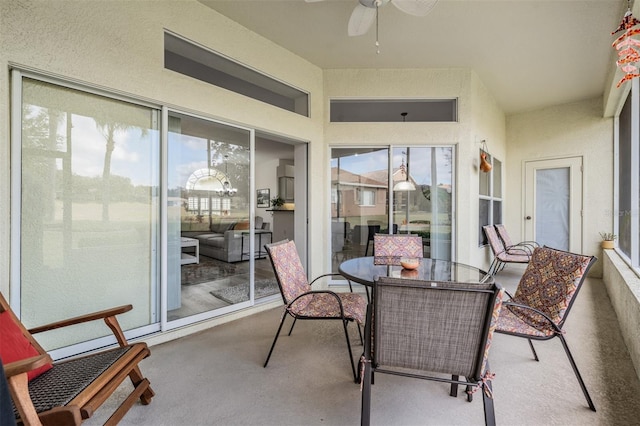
(416, 180)
(359, 200)
(208, 208)
(108, 210)
(87, 219)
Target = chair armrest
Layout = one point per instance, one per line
(108, 315)
(320, 292)
(515, 250)
(522, 247)
(26, 365)
(545, 316)
(330, 274)
(83, 318)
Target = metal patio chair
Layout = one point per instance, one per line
(438, 331)
(542, 301)
(509, 244)
(304, 303)
(390, 248)
(502, 255)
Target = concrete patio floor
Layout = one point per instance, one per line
(216, 377)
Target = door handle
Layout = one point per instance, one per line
(528, 217)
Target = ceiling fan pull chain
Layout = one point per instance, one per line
(377, 38)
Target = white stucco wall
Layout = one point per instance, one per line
(575, 129)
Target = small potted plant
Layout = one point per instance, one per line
(608, 240)
(277, 202)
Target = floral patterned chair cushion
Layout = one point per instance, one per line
(389, 249)
(291, 276)
(548, 285)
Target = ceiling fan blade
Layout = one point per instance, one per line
(312, 1)
(361, 19)
(415, 7)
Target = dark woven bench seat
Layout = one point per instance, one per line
(58, 386)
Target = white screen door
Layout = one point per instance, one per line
(553, 203)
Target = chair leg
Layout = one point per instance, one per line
(487, 400)
(492, 267)
(353, 367)
(577, 373)
(365, 412)
(454, 386)
(360, 333)
(366, 250)
(275, 339)
(291, 329)
(535, 355)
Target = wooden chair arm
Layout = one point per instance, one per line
(26, 365)
(82, 318)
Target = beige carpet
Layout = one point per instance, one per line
(216, 377)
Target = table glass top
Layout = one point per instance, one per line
(363, 271)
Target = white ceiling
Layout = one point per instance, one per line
(529, 53)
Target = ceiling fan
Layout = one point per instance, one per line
(366, 11)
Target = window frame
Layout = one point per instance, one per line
(491, 198)
(632, 130)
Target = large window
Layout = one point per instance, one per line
(490, 197)
(88, 219)
(627, 219)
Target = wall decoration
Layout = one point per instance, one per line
(627, 47)
(263, 197)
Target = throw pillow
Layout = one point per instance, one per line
(242, 226)
(14, 346)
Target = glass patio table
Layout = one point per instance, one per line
(362, 270)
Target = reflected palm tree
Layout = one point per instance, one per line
(109, 128)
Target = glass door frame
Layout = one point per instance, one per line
(165, 324)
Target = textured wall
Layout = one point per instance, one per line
(576, 129)
(623, 287)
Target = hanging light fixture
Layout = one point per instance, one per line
(404, 185)
(227, 190)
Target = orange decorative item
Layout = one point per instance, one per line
(409, 263)
(485, 166)
(627, 47)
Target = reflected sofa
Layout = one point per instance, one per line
(224, 239)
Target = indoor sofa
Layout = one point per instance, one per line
(224, 241)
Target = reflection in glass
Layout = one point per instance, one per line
(422, 199)
(208, 215)
(88, 209)
(359, 200)
(427, 211)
